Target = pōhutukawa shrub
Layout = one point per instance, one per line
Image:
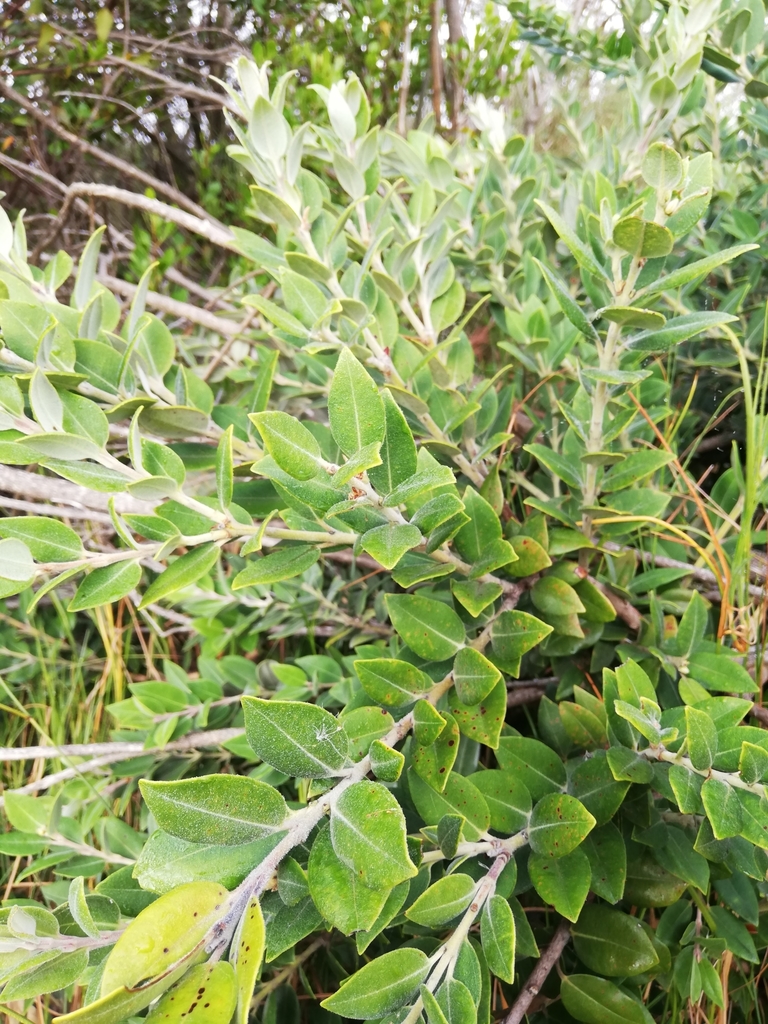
(356, 466)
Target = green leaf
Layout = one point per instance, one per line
(355, 408)
(567, 303)
(691, 271)
(16, 561)
(634, 684)
(363, 726)
(593, 782)
(514, 633)
(636, 467)
(676, 330)
(628, 316)
(182, 573)
(283, 564)
(662, 168)
(753, 763)
(78, 908)
(607, 855)
(48, 539)
(556, 597)
(246, 954)
(367, 458)
(339, 894)
(50, 976)
(302, 298)
(369, 836)
(536, 765)
(563, 882)
(300, 740)
(456, 1002)
(450, 832)
(484, 721)
(701, 736)
(391, 909)
(735, 934)
(425, 480)
(474, 595)
(278, 316)
(474, 676)
(398, 450)
(388, 543)
(460, 797)
(432, 1008)
(686, 785)
(482, 530)
(223, 809)
(558, 824)
(509, 802)
(391, 682)
(105, 585)
(433, 762)
(207, 994)
(170, 928)
(723, 808)
(290, 444)
(292, 884)
(611, 943)
(581, 251)
(288, 925)
(720, 672)
(559, 465)
(497, 932)
(531, 557)
(383, 985)
(597, 1001)
(643, 238)
(428, 723)
(430, 628)
(274, 209)
(444, 900)
(386, 763)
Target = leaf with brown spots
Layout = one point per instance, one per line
(246, 954)
(433, 763)
(205, 995)
(482, 722)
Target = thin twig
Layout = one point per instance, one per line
(204, 226)
(539, 974)
(184, 310)
(192, 741)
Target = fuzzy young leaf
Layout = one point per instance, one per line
(443, 901)
(280, 565)
(368, 835)
(355, 408)
(290, 444)
(558, 825)
(497, 932)
(301, 740)
(383, 985)
(430, 628)
(224, 809)
(246, 954)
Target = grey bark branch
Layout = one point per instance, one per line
(203, 225)
(120, 750)
(52, 489)
(539, 974)
(184, 310)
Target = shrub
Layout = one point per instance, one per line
(480, 532)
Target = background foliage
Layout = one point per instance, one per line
(383, 463)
